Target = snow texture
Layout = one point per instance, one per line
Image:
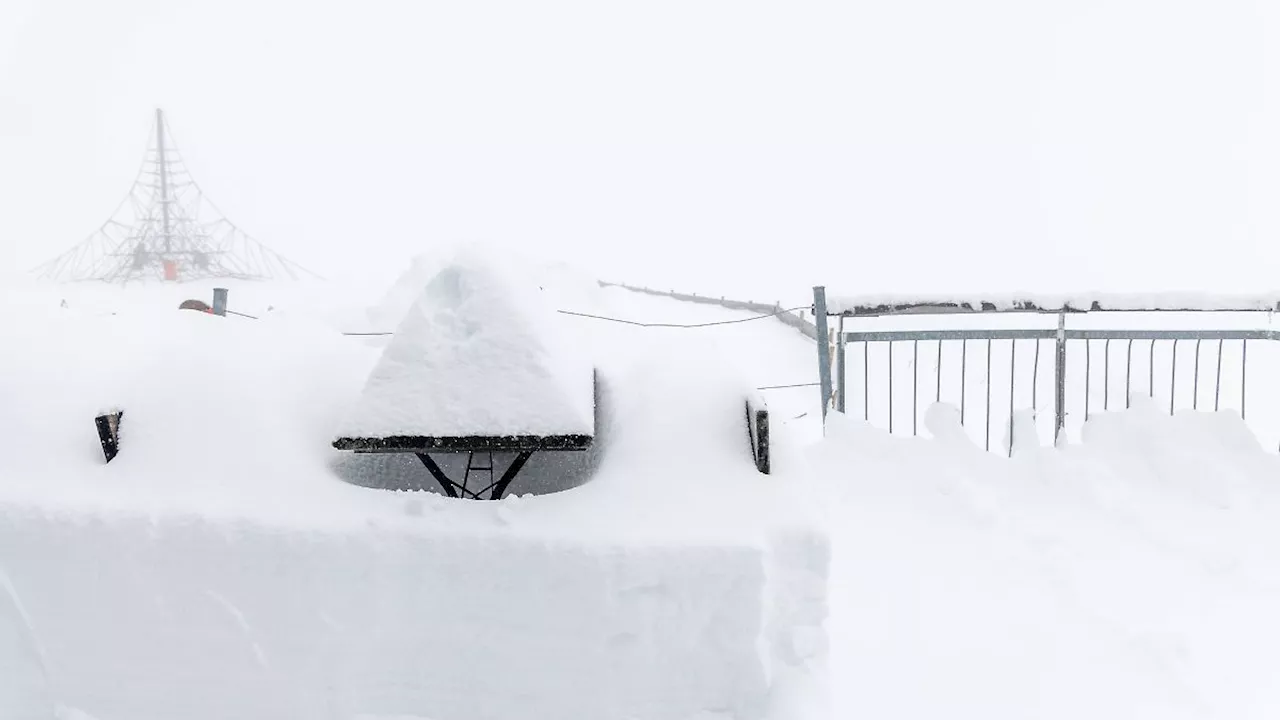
(153, 618)
(218, 567)
(481, 353)
(1132, 575)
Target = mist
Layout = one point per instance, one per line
(746, 149)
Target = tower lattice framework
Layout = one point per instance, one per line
(167, 229)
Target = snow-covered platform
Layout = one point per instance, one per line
(225, 565)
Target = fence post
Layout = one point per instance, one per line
(219, 301)
(840, 384)
(1060, 381)
(824, 349)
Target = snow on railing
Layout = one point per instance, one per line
(890, 304)
(1085, 369)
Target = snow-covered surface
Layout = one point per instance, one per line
(839, 303)
(220, 567)
(178, 616)
(480, 353)
(1132, 575)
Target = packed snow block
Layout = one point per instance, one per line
(798, 561)
(24, 687)
(154, 618)
(481, 354)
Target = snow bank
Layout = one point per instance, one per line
(158, 618)
(214, 407)
(24, 689)
(405, 292)
(219, 568)
(570, 288)
(1132, 575)
(480, 353)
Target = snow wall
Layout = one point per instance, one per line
(145, 618)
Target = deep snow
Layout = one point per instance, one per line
(219, 567)
(480, 352)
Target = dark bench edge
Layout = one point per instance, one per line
(469, 443)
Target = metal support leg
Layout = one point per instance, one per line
(1060, 380)
(500, 486)
(449, 486)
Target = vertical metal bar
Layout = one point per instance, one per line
(1088, 374)
(163, 164)
(964, 361)
(1173, 376)
(1106, 375)
(1244, 366)
(988, 417)
(1013, 365)
(1035, 379)
(840, 366)
(1217, 381)
(890, 387)
(915, 385)
(938, 398)
(1151, 370)
(1128, 375)
(1060, 380)
(1195, 383)
(824, 348)
(866, 381)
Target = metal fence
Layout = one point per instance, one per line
(1060, 374)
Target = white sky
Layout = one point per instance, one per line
(721, 147)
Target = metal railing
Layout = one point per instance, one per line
(1072, 371)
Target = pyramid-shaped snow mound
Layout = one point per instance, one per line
(479, 355)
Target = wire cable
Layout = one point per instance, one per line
(677, 325)
(634, 323)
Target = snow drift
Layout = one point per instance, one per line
(480, 353)
(218, 567)
(1131, 575)
(154, 618)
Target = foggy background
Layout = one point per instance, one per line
(744, 148)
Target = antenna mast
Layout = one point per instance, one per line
(164, 181)
(167, 229)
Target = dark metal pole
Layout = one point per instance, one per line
(824, 348)
(1060, 395)
(840, 365)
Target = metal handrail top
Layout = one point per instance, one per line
(1023, 307)
(1049, 334)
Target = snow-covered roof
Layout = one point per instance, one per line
(887, 303)
(481, 353)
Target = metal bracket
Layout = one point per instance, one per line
(109, 433)
(495, 489)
